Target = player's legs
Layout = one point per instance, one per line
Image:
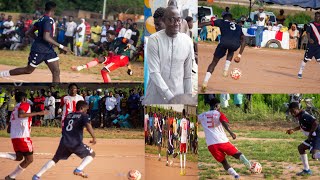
(228, 62)
(28, 159)
(304, 158)
(17, 71)
(243, 159)
(87, 154)
(55, 70)
(229, 169)
(105, 75)
(183, 151)
(310, 52)
(159, 143)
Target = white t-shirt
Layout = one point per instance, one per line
(261, 15)
(122, 32)
(184, 130)
(82, 32)
(71, 26)
(128, 34)
(213, 129)
(8, 24)
(110, 103)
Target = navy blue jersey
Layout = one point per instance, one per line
(313, 35)
(306, 121)
(72, 132)
(44, 24)
(230, 32)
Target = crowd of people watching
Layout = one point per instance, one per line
(107, 108)
(69, 32)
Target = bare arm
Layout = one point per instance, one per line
(47, 37)
(313, 128)
(226, 126)
(90, 130)
(22, 114)
(290, 131)
(204, 24)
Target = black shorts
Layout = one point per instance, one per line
(63, 152)
(170, 150)
(159, 141)
(312, 51)
(36, 58)
(24, 153)
(222, 49)
(315, 141)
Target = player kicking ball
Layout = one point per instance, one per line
(309, 127)
(20, 129)
(72, 141)
(217, 141)
(170, 150)
(42, 48)
(184, 130)
(313, 47)
(231, 39)
(118, 56)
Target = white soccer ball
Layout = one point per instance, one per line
(236, 73)
(134, 175)
(256, 168)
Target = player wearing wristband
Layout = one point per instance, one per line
(42, 48)
(231, 39)
(118, 56)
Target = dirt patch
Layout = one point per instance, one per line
(115, 157)
(263, 71)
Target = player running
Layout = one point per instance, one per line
(218, 144)
(170, 150)
(118, 56)
(183, 132)
(42, 48)
(313, 47)
(309, 127)
(20, 130)
(231, 39)
(72, 141)
(158, 124)
(68, 103)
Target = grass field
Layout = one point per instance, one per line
(276, 151)
(99, 133)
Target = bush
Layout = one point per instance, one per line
(299, 18)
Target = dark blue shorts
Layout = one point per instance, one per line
(315, 141)
(222, 49)
(63, 152)
(159, 142)
(36, 58)
(170, 150)
(312, 51)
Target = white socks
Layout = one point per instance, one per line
(303, 64)
(8, 156)
(304, 159)
(4, 74)
(87, 160)
(184, 161)
(46, 167)
(16, 172)
(181, 161)
(227, 65)
(232, 172)
(207, 77)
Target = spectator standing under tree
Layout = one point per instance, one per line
(87, 97)
(111, 102)
(70, 26)
(237, 99)
(260, 27)
(61, 27)
(294, 36)
(80, 35)
(50, 106)
(135, 34)
(225, 12)
(247, 103)
(281, 17)
(94, 105)
(95, 32)
(2, 20)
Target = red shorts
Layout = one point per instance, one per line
(115, 61)
(183, 147)
(22, 145)
(219, 151)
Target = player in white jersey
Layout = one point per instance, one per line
(214, 122)
(184, 132)
(19, 129)
(68, 103)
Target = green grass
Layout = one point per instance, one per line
(154, 150)
(99, 133)
(271, 134)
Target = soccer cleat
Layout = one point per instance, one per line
(237, 177)
(181, 173)
(299, 76)
(305, 173)
(35, 177)
(167, 164)
(184, 172)
(225, 73)
(130, 72)
(80, 173)
(8, 178)
(203, 88)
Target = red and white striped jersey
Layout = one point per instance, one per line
(20, 127)
(184, 124)
(69, 105)
(213, 129)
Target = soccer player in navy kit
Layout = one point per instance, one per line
(309, 127)
(71, 141)
(42, 48)
(231, 39)
(313, 47)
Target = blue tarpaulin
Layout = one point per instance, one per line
(314, 4)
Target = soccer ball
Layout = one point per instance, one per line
(134, 175)
(236, 73)
(256, 168)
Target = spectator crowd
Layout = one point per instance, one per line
(107, 108)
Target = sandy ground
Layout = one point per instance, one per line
(263, 71)
(157, 170)
(115, 157)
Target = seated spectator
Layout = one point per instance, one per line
(122, 120)
(8, 26)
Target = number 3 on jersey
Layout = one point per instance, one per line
(233, 26)
(70, 125)
(210, 122)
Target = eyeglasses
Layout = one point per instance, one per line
(174, 20)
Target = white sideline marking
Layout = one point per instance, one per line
(110, 156)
